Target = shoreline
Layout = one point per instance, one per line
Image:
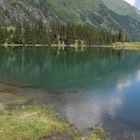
(126, 46)
(37, 122)
(117, 45)
(52, 45)
(22, 120)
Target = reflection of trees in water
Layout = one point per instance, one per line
(44, 66)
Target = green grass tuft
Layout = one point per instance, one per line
(34, 122)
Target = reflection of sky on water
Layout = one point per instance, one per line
(91, 111)
(98, 105)
(89, 88)
(131, 94)
(138, 75)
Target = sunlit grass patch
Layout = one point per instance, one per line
(135, 43)
(29, 123)
(39, 123)
(126, 45)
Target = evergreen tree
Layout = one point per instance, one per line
(120, 36)
(39, 33)
(18, 35)
(2, 36)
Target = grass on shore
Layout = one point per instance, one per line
(29, 123)
(32, 123)
(126, 45)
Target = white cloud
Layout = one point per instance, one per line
(123, 84)
(132, 2)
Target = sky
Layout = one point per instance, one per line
(135, 3)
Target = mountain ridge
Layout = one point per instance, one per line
(107, 14)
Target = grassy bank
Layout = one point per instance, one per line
(39, 123)
(126, 45)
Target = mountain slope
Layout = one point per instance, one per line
(107, 14)
(122, 8)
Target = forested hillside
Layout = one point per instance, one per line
(108, 14)
(58, 33)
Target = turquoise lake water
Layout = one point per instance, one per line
(94, 87)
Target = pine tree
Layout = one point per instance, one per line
(2, 36)
(17, 36)
(120, 36)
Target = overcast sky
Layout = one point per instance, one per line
(134, 3)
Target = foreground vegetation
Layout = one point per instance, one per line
(40, 123)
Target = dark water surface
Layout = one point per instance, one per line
(92, 87)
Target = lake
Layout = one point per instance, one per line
(93, 87)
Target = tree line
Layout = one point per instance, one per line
(40, 33)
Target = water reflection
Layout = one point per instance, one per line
(90, 87)
(92, 110)
(44, 67)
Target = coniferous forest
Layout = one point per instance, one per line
(40, 33)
